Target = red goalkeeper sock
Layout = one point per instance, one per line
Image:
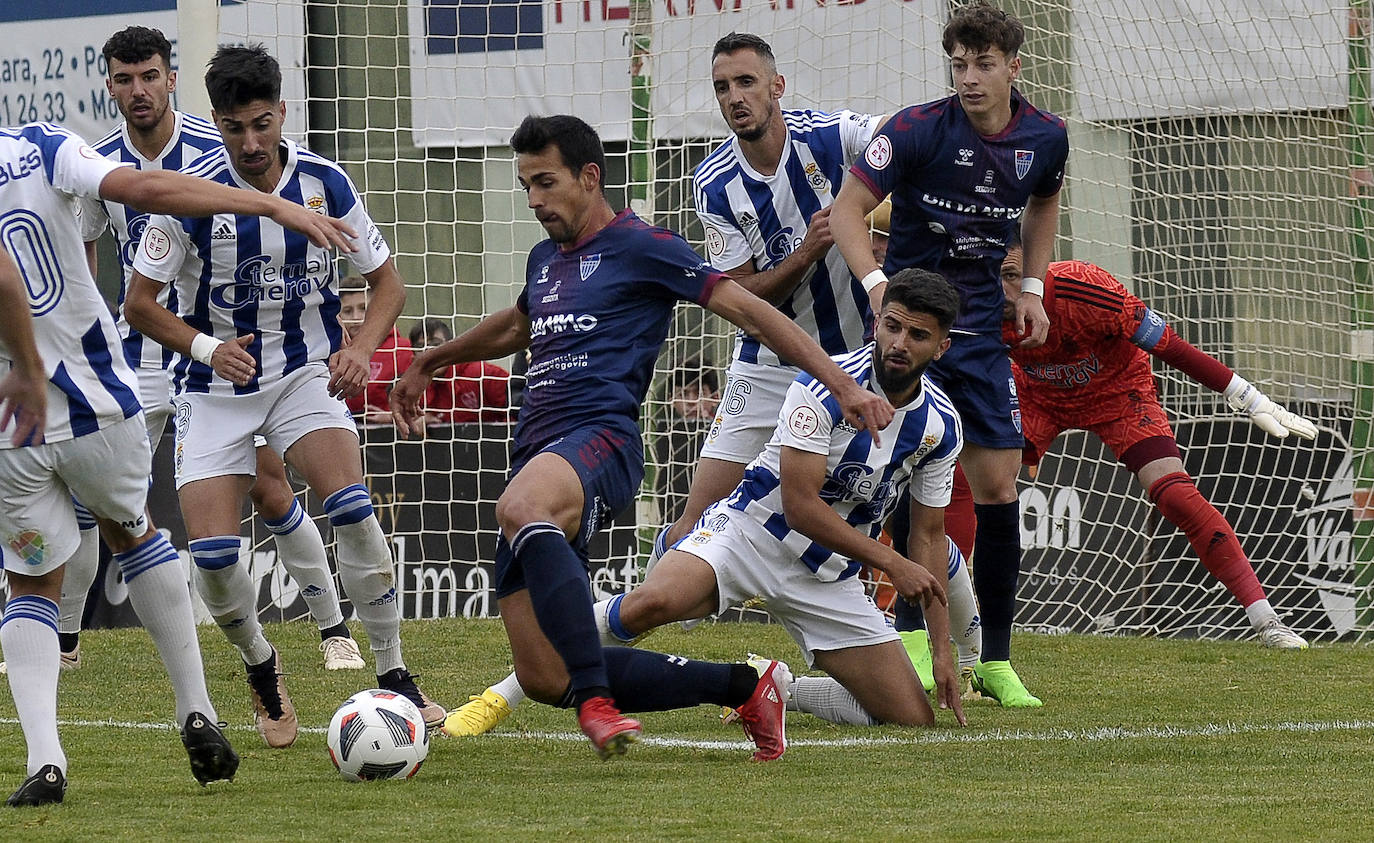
(1209, 534)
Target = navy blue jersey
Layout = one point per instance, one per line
(599, 313)
(957, 196)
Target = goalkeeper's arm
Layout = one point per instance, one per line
(1156, 337)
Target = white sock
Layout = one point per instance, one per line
(77, 576)
(223, 582)
(603, 610)
(964, 624)
(300, 549)
(158, 593)
(1260, 613)
(829, 700)
(510, 691)
(660, 548)
(28, 634)
(367, 572)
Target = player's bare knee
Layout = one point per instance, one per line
(271, 497)
(541, 685)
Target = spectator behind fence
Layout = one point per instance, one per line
(393, 356)
(691, 396)
(465, 393)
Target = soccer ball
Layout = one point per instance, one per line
(377, 734)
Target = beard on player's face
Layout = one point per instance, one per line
(896, 378)
(760, 128)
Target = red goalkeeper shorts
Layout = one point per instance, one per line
(1121, 420)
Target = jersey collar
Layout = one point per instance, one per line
(877, 388)
(171, 141)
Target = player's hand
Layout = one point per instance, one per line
(865, 409)
(321, 230)
(818, 238)
(1032, 324)
(947, 688)
(349, 369)
(407, 398)
(1274, 419)
(232, 361)
(24, 401)
(914, 582)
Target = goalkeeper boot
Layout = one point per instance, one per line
(402, 682)
(1278, 636)
(212, 758)
(341, 653)
(917, 644)
(479, 715)
(999, 681)
(763, 715)
(45, 787)
(273, 713)
(610, 732)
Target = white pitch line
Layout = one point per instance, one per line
(924, 738)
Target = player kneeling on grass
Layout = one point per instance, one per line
(806, 517)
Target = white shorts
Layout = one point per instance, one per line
(106, 470)
(155, 394)
(748, 411)
(749, 563)
(216, 433)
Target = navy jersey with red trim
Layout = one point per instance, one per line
(957, 195)
(599, 312)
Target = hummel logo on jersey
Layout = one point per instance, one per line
(223, 232)
(965, 158)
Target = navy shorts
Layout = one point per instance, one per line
(610, 463)
(976, 375)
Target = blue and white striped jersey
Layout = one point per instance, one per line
(191, 138)
(750, 216)
(864, 481)
(44, 169)
(238, 275)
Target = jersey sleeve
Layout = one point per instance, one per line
(898, 145)
(804, 422)
(1053, 179)
(347, 205)
(726, 245)
(163, 249)
(78, 169)
(92, 218)
(856, 130)
(932, 484)
(670, 266)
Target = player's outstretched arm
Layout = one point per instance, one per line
(759, 319)
(24, 390)
(802, 475)
(499, 335)
(928, 548)
(167, 192)
(849, 228)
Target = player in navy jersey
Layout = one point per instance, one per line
(963, 173)
(154, 136)
(264, 355)
(94, 443)
(764, 198)
(595, 310)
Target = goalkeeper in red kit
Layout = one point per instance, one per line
(1093, 373)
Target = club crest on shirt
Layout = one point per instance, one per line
(1024, 157)
(315, 203)
(815, 176)
(588, 265)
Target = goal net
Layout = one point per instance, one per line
(1218, 167)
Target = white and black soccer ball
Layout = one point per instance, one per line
(377, 734)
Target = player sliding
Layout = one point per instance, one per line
(596, 307)
(263, 354)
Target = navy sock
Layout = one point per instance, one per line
(996, 568)
(642, 680)
(905, 616)
(562, 601)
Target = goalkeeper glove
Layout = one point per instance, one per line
(1272, 418)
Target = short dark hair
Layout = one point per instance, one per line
(353, 284)
(694, 371)
(578, 143)
(980, 25)
(423, 329)
(923, 291)
(1014, 238)
(134, 44)
(736, 41)
(237, 76)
